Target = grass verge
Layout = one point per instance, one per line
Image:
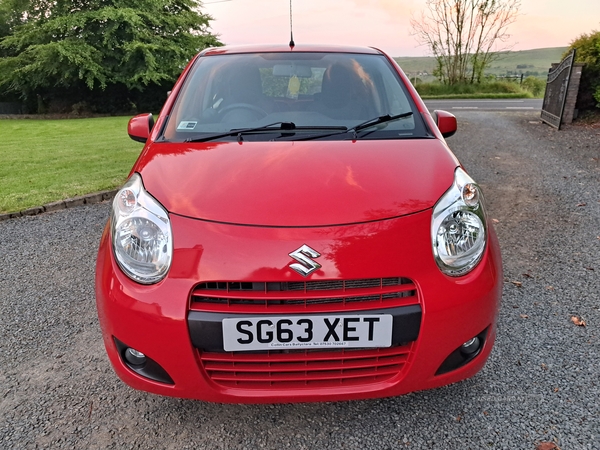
(494, 89)
(48, 160)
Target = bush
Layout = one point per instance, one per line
(588, 52)
(115, 99)
(535, 85)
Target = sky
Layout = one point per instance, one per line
(385, 24)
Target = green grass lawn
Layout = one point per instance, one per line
(42, 161)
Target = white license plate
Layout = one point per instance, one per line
(314, 331)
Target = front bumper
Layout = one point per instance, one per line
(175, 325)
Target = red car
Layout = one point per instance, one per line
(296, 229)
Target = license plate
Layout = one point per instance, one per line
(314, 331)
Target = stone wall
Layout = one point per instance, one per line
(570, 112)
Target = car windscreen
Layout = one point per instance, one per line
(292, 96)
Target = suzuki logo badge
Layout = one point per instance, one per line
(305, 265)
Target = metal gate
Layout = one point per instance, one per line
(556, 91)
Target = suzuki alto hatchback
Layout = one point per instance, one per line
(296, 229)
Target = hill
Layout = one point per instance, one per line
(534, 62)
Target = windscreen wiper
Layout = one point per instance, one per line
(361, 126)
(276, 126)
(376, 121)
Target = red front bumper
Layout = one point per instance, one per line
(154, 319)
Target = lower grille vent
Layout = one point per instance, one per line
(294, 369)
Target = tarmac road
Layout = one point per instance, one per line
(541, 384)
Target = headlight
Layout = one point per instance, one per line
(458, 227)
(141, 233)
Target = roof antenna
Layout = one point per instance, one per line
(292, 44)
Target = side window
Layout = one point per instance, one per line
(312, 85)
(398, 103)
(273, 86)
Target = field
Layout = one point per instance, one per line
(47, 160)
(527, 62)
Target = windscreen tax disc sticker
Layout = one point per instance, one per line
(186, 125)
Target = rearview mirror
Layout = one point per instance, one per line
(289, 70)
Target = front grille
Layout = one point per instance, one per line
(302, 368)
(326, 285)
(308, 295)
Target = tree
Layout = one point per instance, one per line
(464, 35)
(587, 48)
(86, 47)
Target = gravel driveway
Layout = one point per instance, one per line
(541, 384)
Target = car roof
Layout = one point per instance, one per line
(272, 48)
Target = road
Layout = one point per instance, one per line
(541, 383)
(534, 104)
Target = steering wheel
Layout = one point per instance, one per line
(246, 106)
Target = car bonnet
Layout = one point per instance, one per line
(295, 184)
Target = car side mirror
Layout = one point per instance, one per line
(445, 122)
(140, 126)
